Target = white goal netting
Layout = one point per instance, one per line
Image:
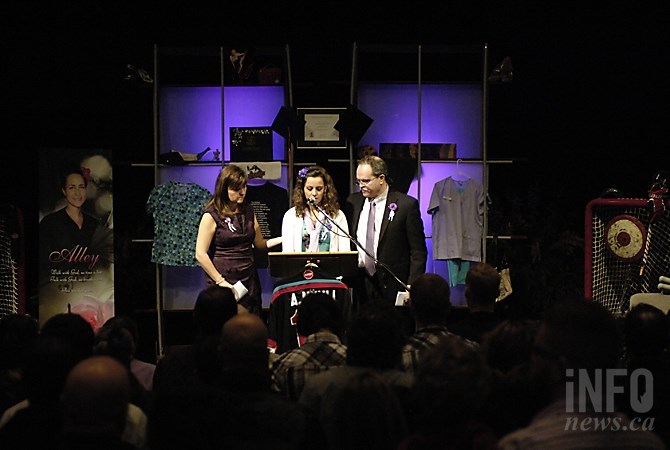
(10, 239)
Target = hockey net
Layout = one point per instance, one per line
(625, 251)
(11, 265)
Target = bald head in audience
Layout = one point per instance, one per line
(95, 398)
(244, 354)
(244, 332)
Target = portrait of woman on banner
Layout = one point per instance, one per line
(76, 244)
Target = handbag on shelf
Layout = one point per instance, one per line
(505, 284)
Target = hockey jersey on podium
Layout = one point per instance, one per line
(286, 297)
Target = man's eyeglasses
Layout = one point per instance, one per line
(365, 182)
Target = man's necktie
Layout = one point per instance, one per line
(370, 241)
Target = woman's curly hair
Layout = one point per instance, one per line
(329, 203)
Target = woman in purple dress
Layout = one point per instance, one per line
(227, 234)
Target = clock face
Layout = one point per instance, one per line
(625, 237)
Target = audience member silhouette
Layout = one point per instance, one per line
(510, 344)
(143, 370)
(577, 342)
(244, 355)
(321, 323)
(242, 412)
(429, 304)
(18, 332)
(507, 350)
(451, 388)
(374, 341)
(646, 335)
(369, 415)
(482, 287)
(65, 339)
(35, 422)
(94, 405)
(188, 370)
(118, 342)
(76, 330)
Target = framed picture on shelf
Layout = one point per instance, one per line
(319, 128)
(251, 144)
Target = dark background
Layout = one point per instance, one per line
(587, 109)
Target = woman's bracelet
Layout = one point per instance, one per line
(221, 280)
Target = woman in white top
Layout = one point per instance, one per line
(308, 228)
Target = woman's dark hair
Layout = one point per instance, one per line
(213, 307)
(74, 329)
(69, 171)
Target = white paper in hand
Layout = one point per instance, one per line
(239, 290)
(401, 298)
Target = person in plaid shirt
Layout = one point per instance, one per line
(321, 321)
(429, 304)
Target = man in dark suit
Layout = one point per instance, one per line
(398, 241)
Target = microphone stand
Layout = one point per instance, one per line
(312, 202)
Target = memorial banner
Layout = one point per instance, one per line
(76, 239)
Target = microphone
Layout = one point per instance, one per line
(311, 201)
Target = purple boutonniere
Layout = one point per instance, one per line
(392, 208)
